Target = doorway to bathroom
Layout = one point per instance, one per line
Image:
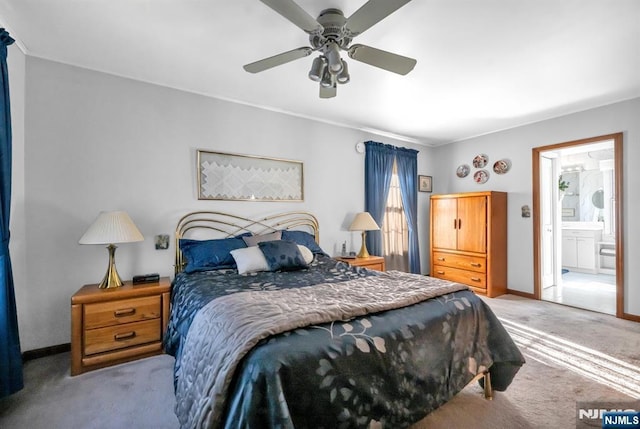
(578, 222)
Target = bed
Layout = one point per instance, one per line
(268, 331)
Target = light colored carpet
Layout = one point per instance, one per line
(564, 348)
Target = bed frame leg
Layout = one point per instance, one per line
(488, 391)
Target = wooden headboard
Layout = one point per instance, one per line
(208, 225)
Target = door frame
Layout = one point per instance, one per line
(619, 217)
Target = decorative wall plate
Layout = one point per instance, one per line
(501, 166)
(481, 176)
(463, 170)
(480, 161)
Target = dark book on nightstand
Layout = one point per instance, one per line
(146, 278)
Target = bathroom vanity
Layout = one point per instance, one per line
(581, 246)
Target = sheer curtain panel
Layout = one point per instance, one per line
(395, 232)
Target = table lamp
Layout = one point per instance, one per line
(110, 228)
(363, 222)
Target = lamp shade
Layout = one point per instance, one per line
(363, 222)
(110, 228)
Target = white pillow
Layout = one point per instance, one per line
(307, 254)
(250, 260)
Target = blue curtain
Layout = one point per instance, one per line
(10, 358)
(378, 167)
(407, 163)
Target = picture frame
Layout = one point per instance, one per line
(236, 177)
(425, 183)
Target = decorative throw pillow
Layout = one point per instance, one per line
(250, 260)
(282, 255)
(303, 238)
(307, 254)
(253, 240)
(205, 255)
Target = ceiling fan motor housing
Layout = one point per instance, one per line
(332, 21)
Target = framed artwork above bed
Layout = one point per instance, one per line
(229, 176)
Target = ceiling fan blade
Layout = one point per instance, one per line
(329, 92)
(382, 59)
(370, 14)
(277, 60)
(294, 13)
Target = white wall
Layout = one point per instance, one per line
(98, 142)
(16, 62)
(517, 144)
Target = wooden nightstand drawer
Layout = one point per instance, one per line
(121, 336)
(119, 312)
(478, 280)
(463, 262)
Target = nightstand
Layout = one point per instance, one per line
(111, 326)
(372, 262)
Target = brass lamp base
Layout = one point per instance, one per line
(111, 278)
(364, 253)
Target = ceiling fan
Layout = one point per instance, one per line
(330, 33)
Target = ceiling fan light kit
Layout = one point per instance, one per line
(330, 33)
(327, 80)
(317, 69)
(343, 77)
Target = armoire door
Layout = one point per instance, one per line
(444, 214)
(472, 224)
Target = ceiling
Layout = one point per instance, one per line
(483, 65)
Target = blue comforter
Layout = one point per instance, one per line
(387, 369)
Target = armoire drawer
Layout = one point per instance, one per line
(463, 262)
(471, 278)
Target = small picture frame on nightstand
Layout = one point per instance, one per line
(425, 183)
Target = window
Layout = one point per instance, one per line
(395, 231)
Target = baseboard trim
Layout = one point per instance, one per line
(45, 351)
(631, 317)
(522, 294)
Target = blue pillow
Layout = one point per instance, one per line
(303, 238)
(282, 255)
(205, 255)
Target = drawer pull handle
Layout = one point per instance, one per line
(475, 279)
(440, 259)
(124, 336)
(476, 265)
(124, 312)
(440, 272)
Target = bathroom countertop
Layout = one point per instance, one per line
(591, 226)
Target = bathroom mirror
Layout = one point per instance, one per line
(598, 199)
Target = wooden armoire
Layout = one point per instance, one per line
(469, 240)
